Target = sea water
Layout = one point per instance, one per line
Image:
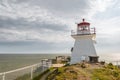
(14, 61)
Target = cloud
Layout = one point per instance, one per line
(108, 33)
(45, 21)
(29, 12)
(102, 5)
(22, 23)
(12, 35)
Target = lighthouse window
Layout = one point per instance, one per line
(79, 28)
(84, 28)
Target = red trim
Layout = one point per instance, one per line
(83, 23)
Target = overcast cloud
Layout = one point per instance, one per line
(45, 25)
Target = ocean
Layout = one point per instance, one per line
(14, 61)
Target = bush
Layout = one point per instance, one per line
(102, 62)
(83, 65)
(116, 73)
(63, 73)
(110, 66)
(101, 74)
(110, 72)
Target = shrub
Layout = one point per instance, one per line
(83, 65)
(102, 62)
(110, 66)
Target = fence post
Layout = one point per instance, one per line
(31, 72)
(3, 77)
(117, 64)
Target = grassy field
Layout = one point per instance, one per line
(82, 71)
(86, 72)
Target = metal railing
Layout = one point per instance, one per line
(33, 70)
(13, 74)
(91, 31)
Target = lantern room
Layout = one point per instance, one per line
(83, 27)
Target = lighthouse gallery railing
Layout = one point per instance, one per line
(92, 31)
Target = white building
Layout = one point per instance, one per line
(46, 63)
(84, 49)
(60, 59)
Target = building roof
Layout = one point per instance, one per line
(83, 23)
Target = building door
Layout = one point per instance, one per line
(93, 59)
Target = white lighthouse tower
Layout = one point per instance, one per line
(84, 49)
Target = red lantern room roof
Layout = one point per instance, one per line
(83, 23)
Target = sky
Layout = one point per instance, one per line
(44, 26)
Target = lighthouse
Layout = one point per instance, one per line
(84, 49)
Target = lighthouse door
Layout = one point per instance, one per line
(93, 59)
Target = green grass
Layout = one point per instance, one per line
(63, 73)
(40, 75)
(71, 72)
(109, 72)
